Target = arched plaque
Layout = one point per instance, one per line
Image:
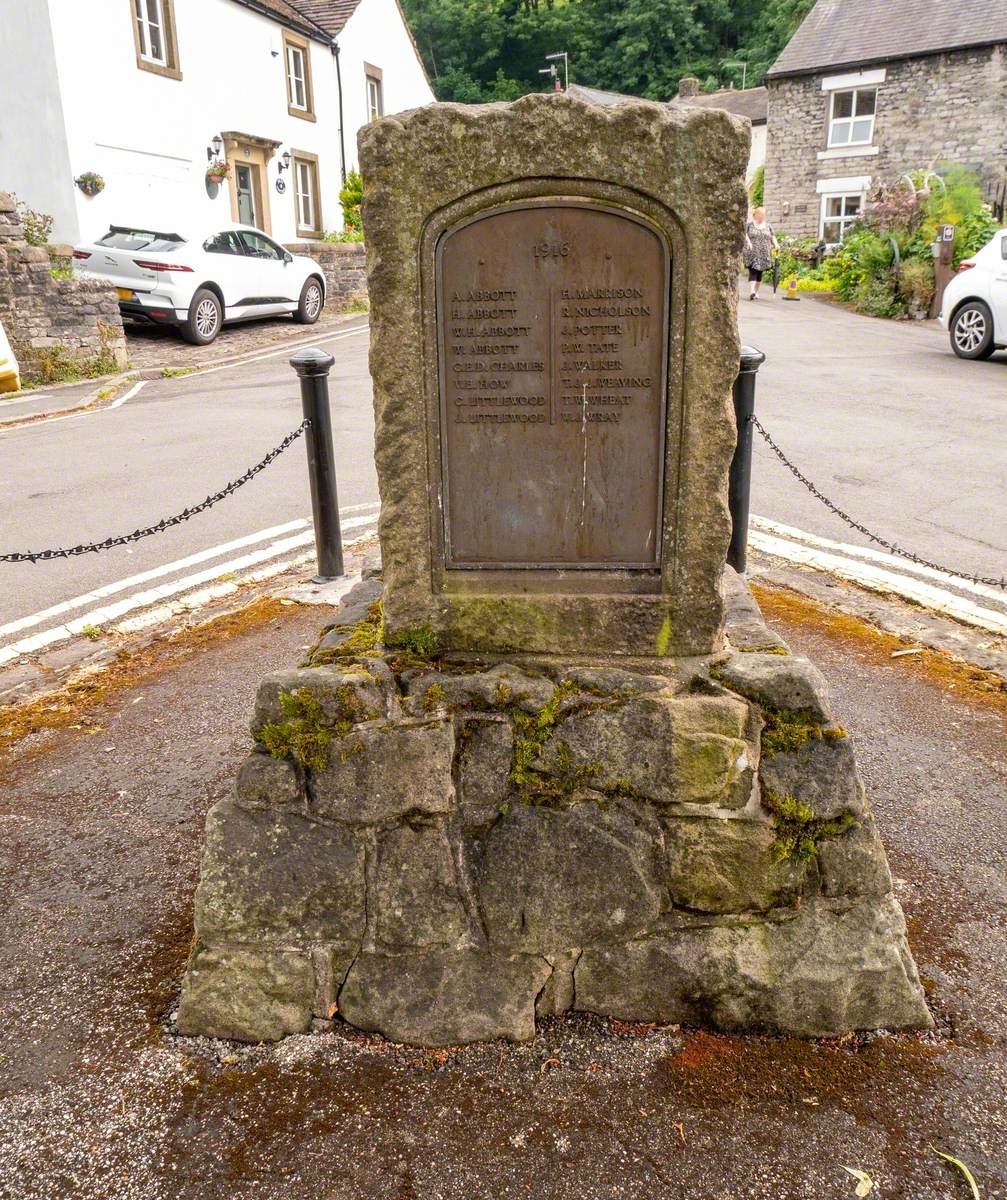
(553, 343)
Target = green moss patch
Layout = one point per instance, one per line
(302, 735)
(798, 830)
(789, 730)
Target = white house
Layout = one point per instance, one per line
(145, 92)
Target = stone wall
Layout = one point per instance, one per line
(443, 850)
(937, 109)
(345, 267)
(56, 327)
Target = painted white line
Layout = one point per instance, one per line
(125, 396)
(107, 614)
(889, 560)
(327, 337)
(191, 560)
(878, 580)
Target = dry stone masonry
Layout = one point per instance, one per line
(566, 766)
(72, 320)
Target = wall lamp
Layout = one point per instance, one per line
(284, 163)
(214, 148)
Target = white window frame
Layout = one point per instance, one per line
(307, 219)
(852, 119)
(375, 98)
(844, 220)
(295, 80)
(145, 24)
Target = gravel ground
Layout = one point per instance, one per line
(98, 1101)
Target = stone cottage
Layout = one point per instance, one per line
(866, 91)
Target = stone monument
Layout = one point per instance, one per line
(552, 759)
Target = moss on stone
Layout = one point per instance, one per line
(798, 830)
(433, 697)
(788, 730)
(302, 735)
(417, 642)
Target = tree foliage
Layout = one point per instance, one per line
(483, 50)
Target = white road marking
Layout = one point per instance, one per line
(71, 416)
(106, 614)
(328, 337)
(125, 396)
(796, 549)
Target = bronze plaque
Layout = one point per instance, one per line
(553, 320)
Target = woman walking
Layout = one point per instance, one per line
(760, 242)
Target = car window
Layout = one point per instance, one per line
(259, 246)
(118, 238)
(225, 242)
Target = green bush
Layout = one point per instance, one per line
(757, 188)
(916, 286)
(796, 256)
(807, 284)
(351, 196)
(875, 296)
(37, 225)
(973, 233)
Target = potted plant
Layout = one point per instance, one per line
(218, 170)
(90, 183)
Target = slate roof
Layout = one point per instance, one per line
(330, 15)
(848, 33)
(289, 15)
(751, 103)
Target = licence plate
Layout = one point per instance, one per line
(125, 294)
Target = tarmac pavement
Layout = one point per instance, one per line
(98, 1101)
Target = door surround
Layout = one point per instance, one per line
(255, 152)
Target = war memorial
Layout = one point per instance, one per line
(549, 757)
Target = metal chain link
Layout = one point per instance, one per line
(890, 546)
(34, 556)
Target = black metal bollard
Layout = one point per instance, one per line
(740, 481)
(312, 366)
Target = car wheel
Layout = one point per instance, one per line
(309, 307)
(972, 331)
(205, 318)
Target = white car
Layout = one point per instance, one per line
(974, 306)
(198, 281)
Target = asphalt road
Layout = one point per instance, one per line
(899, 432)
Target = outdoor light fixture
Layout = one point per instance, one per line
(214, 148)
(284, 163)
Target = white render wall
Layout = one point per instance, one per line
(147, 135)
(757, 154)
(377, 34)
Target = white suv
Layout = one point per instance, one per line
(974, 306)
(198, 282)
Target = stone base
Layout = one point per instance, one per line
(441, 851)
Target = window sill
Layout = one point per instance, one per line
(848, 152)
(314, 235)
(301, 113)
(158, 69)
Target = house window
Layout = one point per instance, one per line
(154, 37)
(851, 117)
(307, 207)
(375, 99)
(297, 57)
(838, 214)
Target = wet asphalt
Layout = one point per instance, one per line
(99, 843)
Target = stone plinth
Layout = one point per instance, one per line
(440, 849)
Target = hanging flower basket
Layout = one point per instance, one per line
(90, 183)
(218, 170)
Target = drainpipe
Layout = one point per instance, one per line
(339, 87)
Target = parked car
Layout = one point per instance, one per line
(974, 306)
(199, 281)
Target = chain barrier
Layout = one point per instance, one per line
(35, 556)
(880, 541)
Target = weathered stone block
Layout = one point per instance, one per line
(276, 876)
(388, 771)
(444, 998)
(855, 863)
(342, 696)
(266, 782)
(829, 970)
(549, 880)
(484, 766)
(416, 891)
(499, 687)
(782, 681)
(682, 750)
(720, 866)
(822, 774)
(248, 995)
